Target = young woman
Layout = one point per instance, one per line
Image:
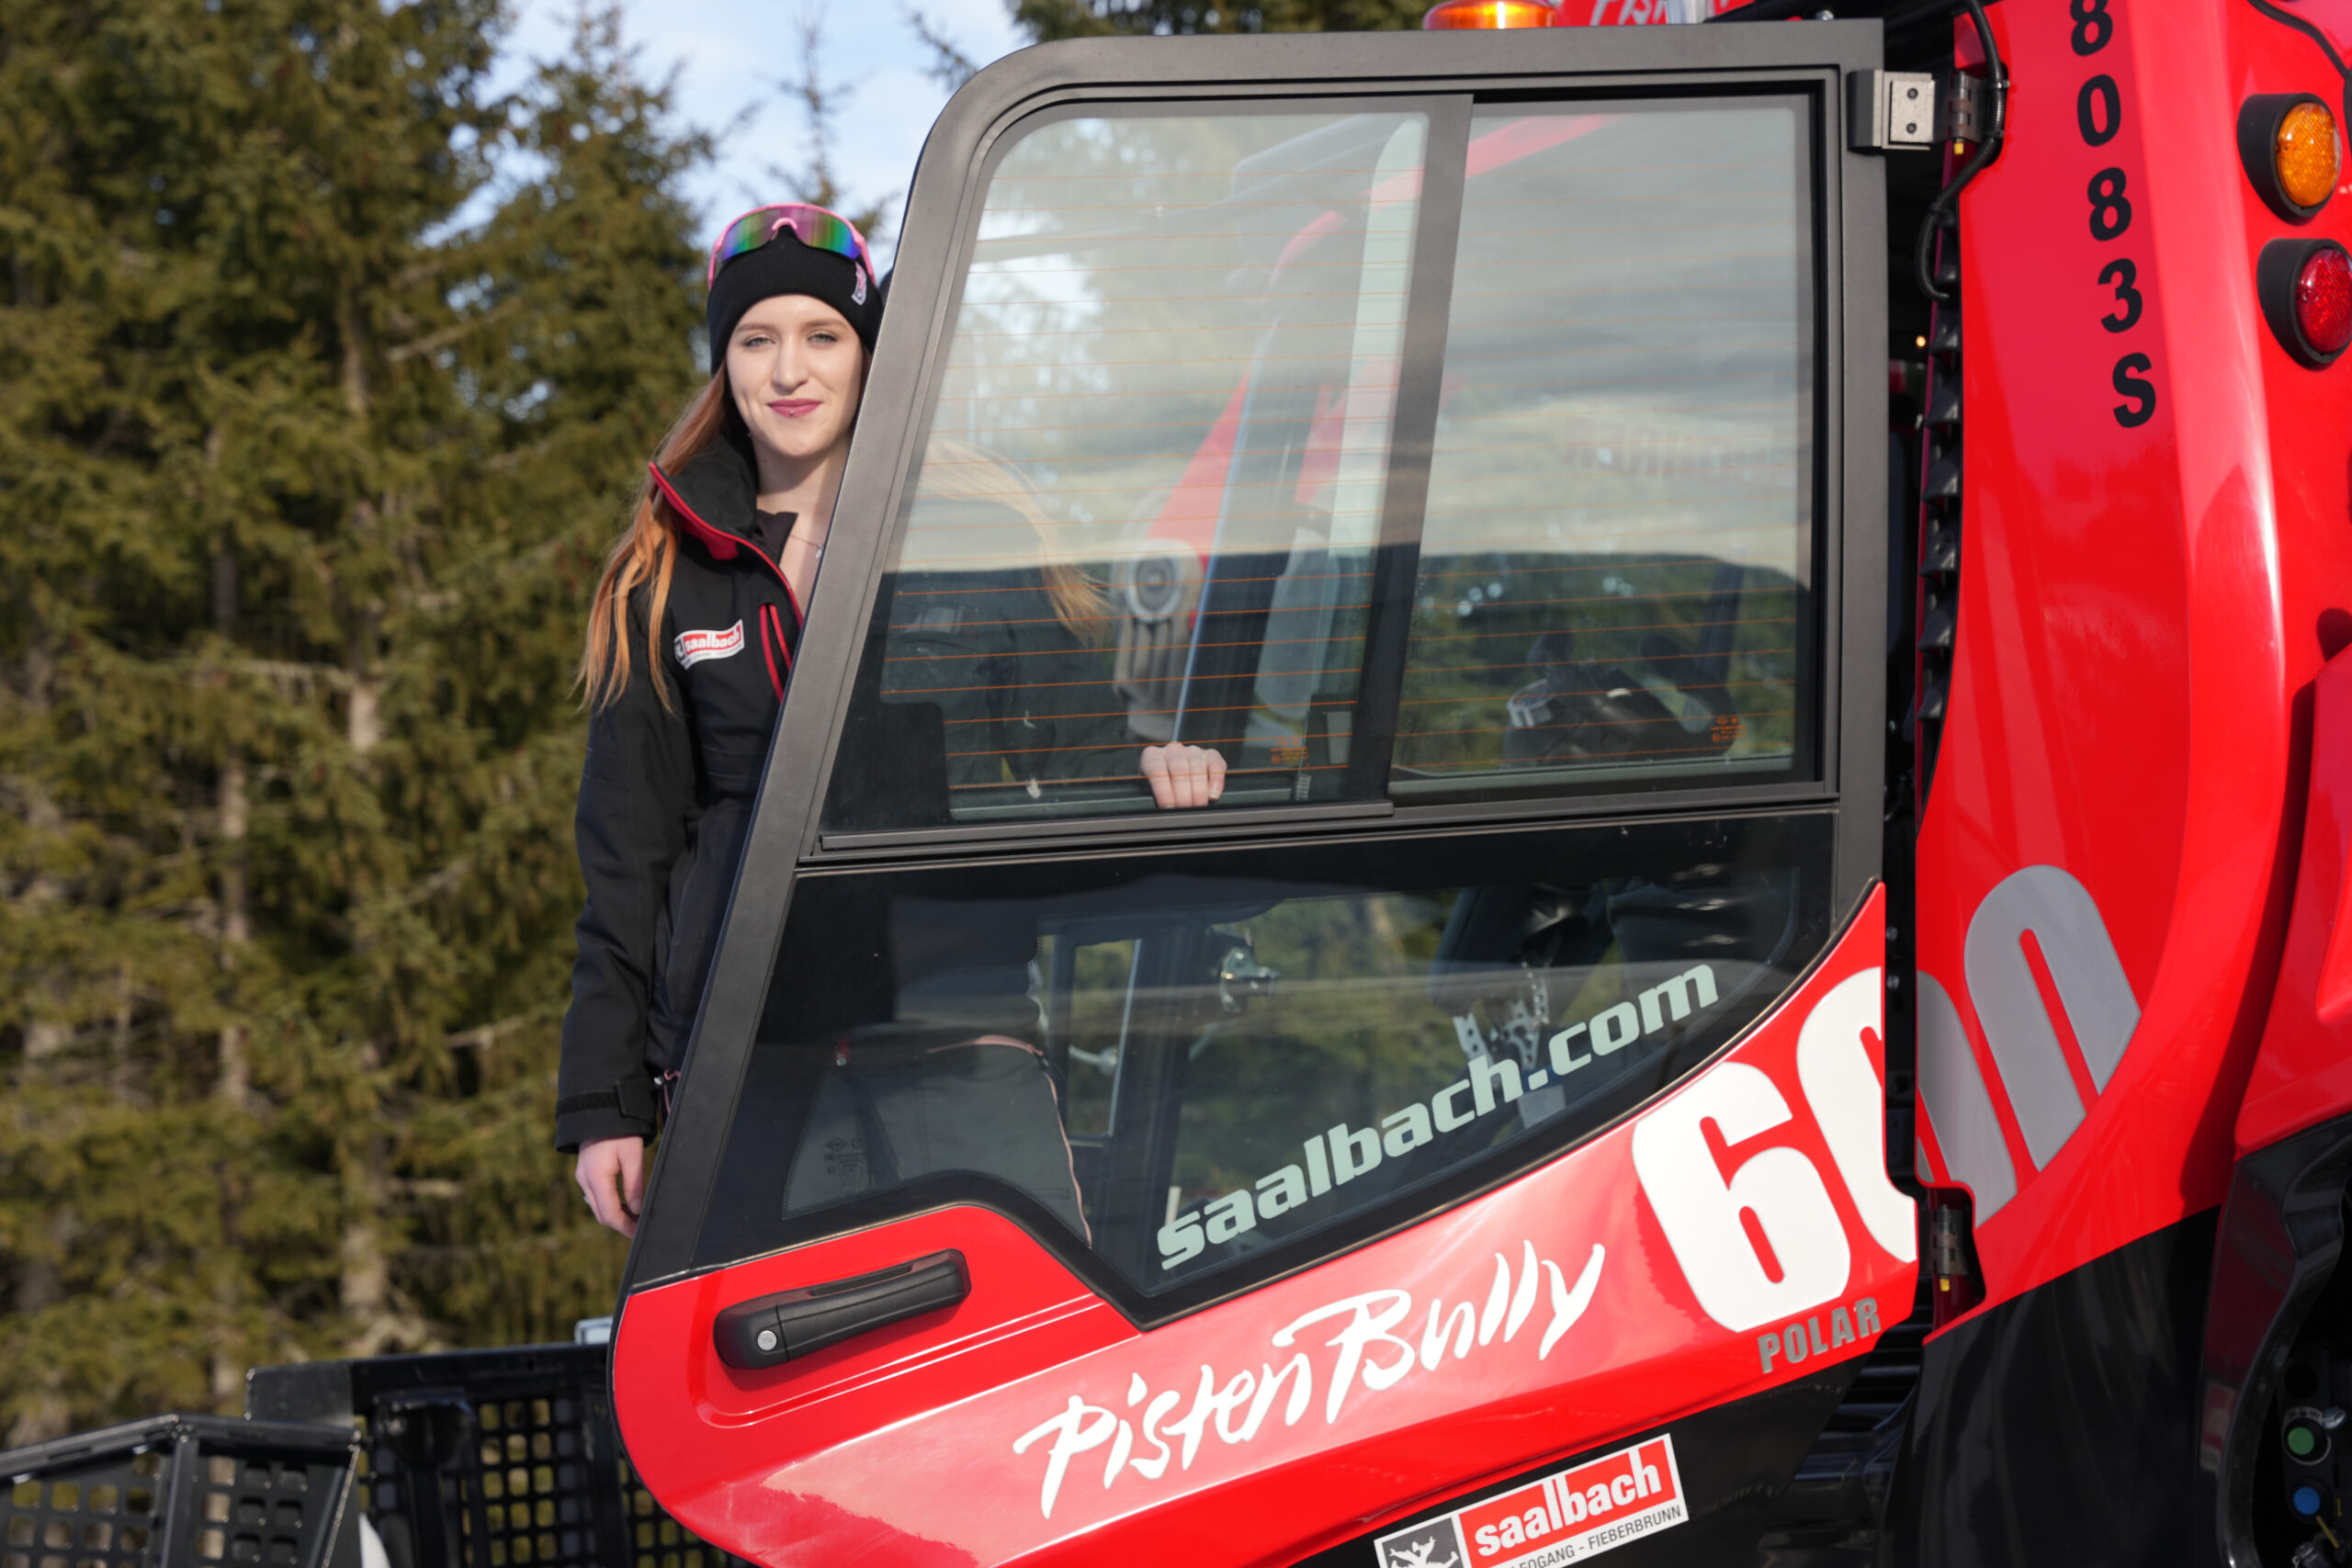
(691, 639)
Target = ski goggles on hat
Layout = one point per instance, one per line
(813, 226)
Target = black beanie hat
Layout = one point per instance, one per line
(785, 266)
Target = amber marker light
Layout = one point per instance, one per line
(1452, 13)
(2290, 147)
(2304, 151)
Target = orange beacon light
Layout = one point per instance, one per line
(1448, 15)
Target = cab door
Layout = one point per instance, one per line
(1463, 1139)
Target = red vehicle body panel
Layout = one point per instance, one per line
(1592, 1298)
(2139, 604)
(2303, 1074)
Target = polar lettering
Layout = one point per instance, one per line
(1799, 1341)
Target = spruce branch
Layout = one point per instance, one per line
(948, 64)
(823, 105)
(456, 332)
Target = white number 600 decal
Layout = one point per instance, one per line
(1699, 1211)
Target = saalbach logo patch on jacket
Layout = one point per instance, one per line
(695, 646)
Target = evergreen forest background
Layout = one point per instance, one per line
(324, 374)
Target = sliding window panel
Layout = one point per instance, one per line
(1617, 565)
(1147, 509)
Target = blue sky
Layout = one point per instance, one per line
(737, 57)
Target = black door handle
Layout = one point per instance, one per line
(771, 1330)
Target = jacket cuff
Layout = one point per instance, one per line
(626, 1110)
(579, 1127)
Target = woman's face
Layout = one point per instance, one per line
(796, 371)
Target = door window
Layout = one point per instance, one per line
(1146, 510)
(1184, 1069)
(1156, 501)
(1619, 526)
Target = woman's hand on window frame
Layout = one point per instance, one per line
(611, 1171)
(1184, 777)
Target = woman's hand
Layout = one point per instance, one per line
(612, 1172)
(1181, 777)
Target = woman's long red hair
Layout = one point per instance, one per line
(648, 552)
(646, 555)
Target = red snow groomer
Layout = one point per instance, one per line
(1735, 862)
(1766, 985)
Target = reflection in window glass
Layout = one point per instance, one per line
(1095, 978)
(1614, 561)
(1146, 508)
(1390, 1038)
(1183, 1065)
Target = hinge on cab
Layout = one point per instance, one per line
(1961, 103)
(1890, 111)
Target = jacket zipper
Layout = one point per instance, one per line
(771, 623)
(724, 545)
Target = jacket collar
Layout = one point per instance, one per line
(714, 494)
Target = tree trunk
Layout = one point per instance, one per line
(46, 1414)
(366, 1284)
(232, 1073)
(363, 727)
(232, 1080)
(120, 1077)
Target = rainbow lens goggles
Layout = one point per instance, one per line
(814, 227)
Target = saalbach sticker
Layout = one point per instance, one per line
(1562, 1517)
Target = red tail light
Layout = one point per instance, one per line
(2305, 287)
(2324, 300)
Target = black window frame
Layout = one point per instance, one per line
(1811, 60)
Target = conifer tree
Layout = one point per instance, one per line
(823, 106)
(306, 476)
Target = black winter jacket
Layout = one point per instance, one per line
(666, 796)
